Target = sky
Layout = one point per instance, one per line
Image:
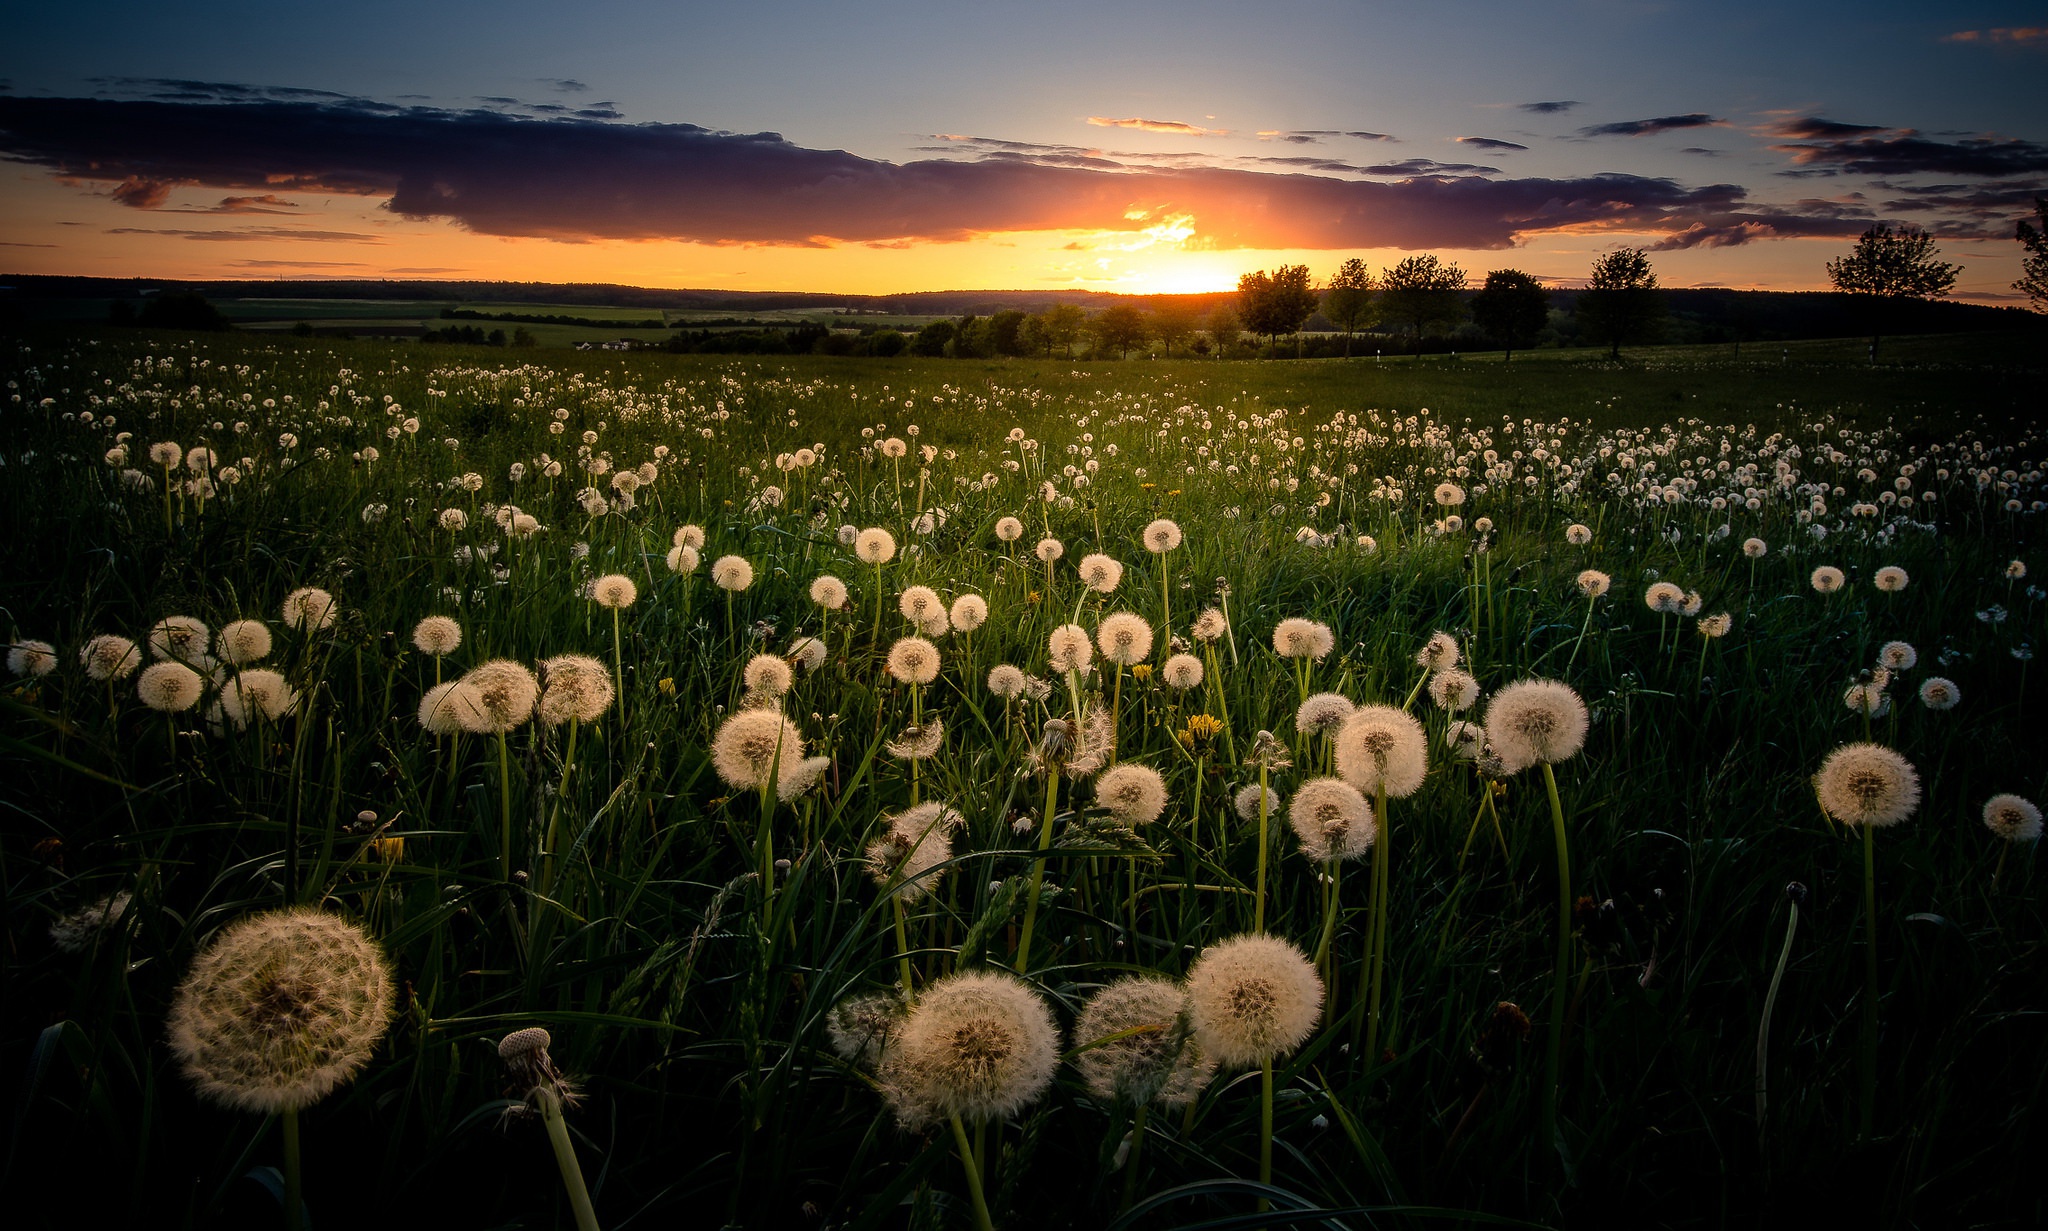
(885, 147)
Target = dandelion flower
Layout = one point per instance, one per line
(1049, 550)
(1578, 535)
(691, 537)
(110, 656)
(1332, 820)
(1716, 626)
(1536, 720)
(768, 674)
(574, 687)
(1209, 625)
(1246, 802)
(1181, 672)
(1380, 746)
(280, 1009)
(1009, 529)
(1449, 494)
(169, 687)
(450, 708)
(36, 658)
(1898, 656)
(731, 573)
(180, 639)
(1069, 649)
(1134, 794)
(454, 519)
(1755, 549)
(682, 559)
(1124, 638)
(257, 694)
(1149, 1055)
(1827, 579)
(875, 545)
(808, 652)
(751, 743)
(166, 453)
(1465, 740)
(1867, 784)
(1664, 598)
(980, 1045)
(1323, 713)
(916, 842)
(505, 695)
(309, 609)
(2016, 570)
(1593, 583)
(1100, 573)
(1006, 681)
(1937, 693)
(614, 590)
(1295, 637)
(1453, 690)
(1891, 579)
(969, 612)
(913, 660)
(435, 635)
(1439, 653)
(1251, 998)
(2012, 818)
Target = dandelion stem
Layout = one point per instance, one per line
(1867, 1062)
(504, 809)
(981, 1218)
(1583, 626)
(902, 947)
(1137, 1150)
(1555, 1060)
(1378, 945)
(1329, 921)
(1265, 1125)
(1259, 908)
(294, 1192)
(618, 674)
(565, 1158)
(1763, 1030)
(1052, 791)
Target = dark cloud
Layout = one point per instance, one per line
(1813, 128)
(428, 269)
(1909, 153)
(2033, 35)
(141, 193)
(1645, 128)
(1490, 143)
(572, 179)
(1549, 108)
(603, 111)
(296, 264)
(1701, 150)
(1312, 136)
(567, 85)
(498, 100)
(14, 243)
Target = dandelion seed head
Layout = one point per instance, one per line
(574, 687)
(1209, 625)
(969, 612)
(1069, 649)
(808, 652)
(828, 592)
(1295, 637)
(682, 559)
(450, 708)
(1049, 550)
(110, 656)
(435, 635)
(1578, 535)
(1536, 720)
(505, 695)
(169, 687)
(2013, 818)
(83, 929)
(1593, 583)
(1151, 1055)
(1439, 653)
(1867, 784)
(1465, 740)
(979, 1044)
(1332, 820)
(1006, 681)
(860, 1028)
(309, 609)
(1453, 690)
(1891, 579)
(1898, 656)
(1938, 693)
(1182, 672)
(875, 545)
(615, 591)
(180, 639)
(753, 742)
(1323, 713)
(1162, 536)
(252, 694)
(915, 843)
(1246, 802)
(1100, 573)
(1124, 638)
(1716, 626)
(1664, 598)
(1252, 998)
(1134, 794)
(31, 658)
(1827, 579)
(731, 573)
(1755, 549)
(1379, 745)
(913, 660)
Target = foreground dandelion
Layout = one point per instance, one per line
(309, 609)
(1133, 794)
(1827, 579)
(542, 1086)
(180, 639)
(276, 1012)
(1381, 752)
(1251, 998)
(504, 693)
(109, 657)
(256, 694)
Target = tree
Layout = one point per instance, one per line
(1888, 266)
(1512, 308)
(1005, 333)
(1348, 301)
(2033, 281)
(931, 340)
(1173, 320)
(1223, 327)
(1276, 303)
(1422, 291)
(182, 310)
(1060, 325)
(1120, 327)
(1621, 304)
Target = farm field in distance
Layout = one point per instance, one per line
(1431, 791)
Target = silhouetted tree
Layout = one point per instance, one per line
(1511, 307)
(1422, 291)
(1888, 266)
(1120, 327)
(2033, 281)
(1060, 325)
(182, 310)
(1223, 328)
(1005, 333)
(1173, 320)
(1621, 304)
(1348, 301)
(931, 340)
(1276, 303)
(121, 312)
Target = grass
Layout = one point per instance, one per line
(693, 1006)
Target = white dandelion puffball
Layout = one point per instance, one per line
(969, 612)
(919, 604)
(1593, 583)
(1827, 579)
(751, 744)
(1891, 579)
(1535, 721)
(166, 453)
(110, 656)
(1006, 681)
(731, 573)
(913, 660)
(909, 854)
(979, 1044)
(1210, 625)
(1049, 550)
(1755, 549)
(1252, 998)
(1295, 637)
(574, 687)
(31, 658)
(1162, 536)
(1939, 693)
(1323, 713)
(1246, 802)
(1664, 598)
(1453, 690)
(691, 537)
(2013, 818)
(1069, 649)
(1867, 784)
(255, 694)
(505, 693)
(809, 653)
(1134, 794)
(1139, 1046)
(309, 609)
(682, 559)
(1439, 653)
(1449, 494)
(1898, 656)
(1100, 573)
(1381, 746)
(169, 687)
(1578, 535)
(615, 591)
(450, 708)
(769, 674)
(1124, 638)
(1182, 672)
(828, 592)
(435, 635)
(180, 639)
(242, 642)
(875, 545)
(1331, 819)
(1009, 529)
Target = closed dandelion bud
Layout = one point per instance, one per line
(1252, 998)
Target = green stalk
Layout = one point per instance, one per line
(981, 1218)
(504, 809)
(1378, 944)
(294, 1194)
(1265, 1125)
(1553, 1064)
(1763, 1030)
(902, 947)
(1583, 626)
(1052, 791)
(1137, 1149)
(1867, 1062)
(565, 1158)
(618, 675)
(1329, 921)
(1259, 910)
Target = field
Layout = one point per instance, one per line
(1638, 971)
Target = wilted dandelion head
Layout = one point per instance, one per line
(110, 656)
(505, 695)
(731, 573)
(280, 1009)
(250, 695)
(1593, 583)
(1134, 794)
(84, 928)
(753, 743)
(861, 1027)
(1453, 690)
(1449, 494)
(1716, 625)
(1150, 1055)
(1755, 549)
(1381, 746)
(682, 559)
(1938, 693)
(1295, 637)
(2012, 818)
(1867, 784)
(1664, 598)
(614, 590)
(979, 1044)
(1323, 713)
(828, 592)
(1100, 573)
(1009, 529)
(1182, 672)
(1891, 579)
(180, 638)
(1465, 740)
(1069, 649)
(1251, 998)
(691, 537)
(169, 687)
(1162, 536)
(1533, 721)
(453, 519)
(1049, 549)
(1246, 802)
(874, 545)
(1209, 625)
(1332, 820)
(1439, 653)
(435, 635)
(797, 780)
(451, 707)
(574, 687)
(969, 612)
(1827, 579)
(913, 660)
(1578, 535)
(35, 658)
(309, 609)
(1006, 681)
(1124, 638)
(1898, 656)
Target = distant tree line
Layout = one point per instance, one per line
(471, 314)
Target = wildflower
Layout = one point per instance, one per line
(454, 519)
(1664, 598)
(916, 842)
(180, 639)
(1295, 637)
(505, 694)
(828, 592)
(1134, 794)
(449, 708)
(682, 559)
(1937, 693)
(1593, 583)
(1827, 579)
(110, 656)
(1124, 638)
(1006, 681)
(166, 453)
(2012, 818)
(615, 590)
(1368, 544)
(1049, 550)
(751, 744)
(435, 635)
(309, 609)
(1162, 536)
(37, 658)
(1716, 625)
(1100, 573)
(1182, 672)
(1069, 649)
(1200, 729)
(1251, 998)
(1891, 579)
(1246, 802)
(1382, 747)
(1439, 653)
(1009, 529)
(913, 660)
(169, 687)
(1323, 713)
(1867, 784)
(1149, 1055)
(1453, 690)
(1332, 820)
(691, 537)
(875, 545)
(979, 1044)
(1536, 720)
(574, 687)
(1898, 656)
(1209, 625)
(256, 694)
(731, 573)
(280, 1009)
(1867, 699)
(1578, 535)
(1465, 740)
(1755, 549)
(1449, 494)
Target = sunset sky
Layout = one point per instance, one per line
(882, 147)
